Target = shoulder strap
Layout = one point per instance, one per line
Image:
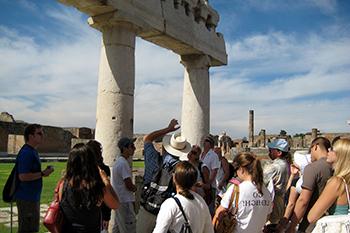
(56, 197)
(347, 194)
(235, 197)
(181, 209)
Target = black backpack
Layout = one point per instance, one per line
(159, 189)
(11, 185)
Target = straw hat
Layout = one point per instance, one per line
(177, 145)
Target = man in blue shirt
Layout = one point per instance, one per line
(174, 148)
(30, 175)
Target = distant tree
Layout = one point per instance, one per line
(297, 135)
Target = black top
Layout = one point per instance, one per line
(79, 218)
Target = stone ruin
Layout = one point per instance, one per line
(187, 27)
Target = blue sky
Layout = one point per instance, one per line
(288, 60)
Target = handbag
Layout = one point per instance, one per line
(53, 219)
(335, 223)
(227, 220)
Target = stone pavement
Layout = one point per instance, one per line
(5, 215)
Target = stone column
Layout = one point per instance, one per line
(251, 128)
(115, 100)
(263, 135)
(196, 98)
(313, 133)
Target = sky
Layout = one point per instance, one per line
(288, 60)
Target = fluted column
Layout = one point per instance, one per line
(115, 100)
(196, 98)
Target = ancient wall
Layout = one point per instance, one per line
(7, 128)
(14, 144)
(56, 140)
(82, 132)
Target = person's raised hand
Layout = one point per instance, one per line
(173, 125)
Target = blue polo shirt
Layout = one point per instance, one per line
(28, 161)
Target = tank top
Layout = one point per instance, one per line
(79, 218)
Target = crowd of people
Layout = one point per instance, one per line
(187, 186)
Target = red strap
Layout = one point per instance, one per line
(56, 197)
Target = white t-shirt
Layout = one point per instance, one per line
(212, 161)
(253, 207)
(197, 212)
(120, 171)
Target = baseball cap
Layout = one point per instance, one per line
(279, 144)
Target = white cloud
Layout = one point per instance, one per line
(56, 83)
(302, 79)
(325, 6)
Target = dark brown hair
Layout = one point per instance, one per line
(83, 176)
(96, 147)
(252, 164)
(30, 129)
(322, 142)
(185, 176)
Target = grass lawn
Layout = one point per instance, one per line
(48, 185)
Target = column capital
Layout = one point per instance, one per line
(195, 61)
(101, 22)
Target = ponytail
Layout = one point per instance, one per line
(257, 174)
(186, 193)
(252, 164)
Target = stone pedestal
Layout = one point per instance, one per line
(115, 100)
(196, 98)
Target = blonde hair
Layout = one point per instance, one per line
(341, 166)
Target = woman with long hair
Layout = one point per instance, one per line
(84, 188)
(96, 147)
(254, 200)
(335, 190)
(170, 217)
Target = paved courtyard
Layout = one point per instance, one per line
(5, 215)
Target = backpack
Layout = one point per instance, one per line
(159, 189)
(185, 228)
(11, 185)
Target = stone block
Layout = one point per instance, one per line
(14, 144)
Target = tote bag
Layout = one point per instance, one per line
(335, 223)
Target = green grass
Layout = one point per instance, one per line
(49, 184)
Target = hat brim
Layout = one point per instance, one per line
(182, 154)
(272, 145)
